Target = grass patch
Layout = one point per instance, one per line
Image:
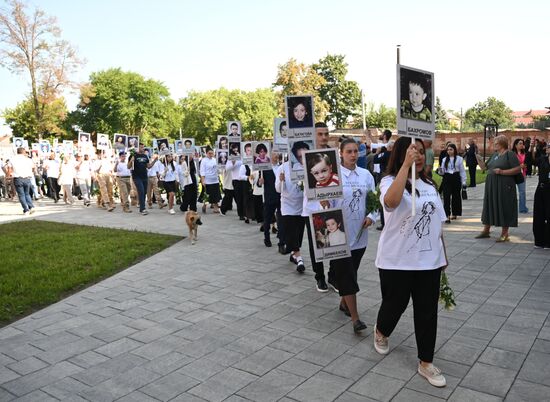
(43, 262)
(480, 176)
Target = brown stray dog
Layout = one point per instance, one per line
(193, 219)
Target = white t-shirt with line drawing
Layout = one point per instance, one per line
(412, 243)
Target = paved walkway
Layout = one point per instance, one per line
(229, 319)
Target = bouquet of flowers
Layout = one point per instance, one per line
(446, 294)
(372, 205)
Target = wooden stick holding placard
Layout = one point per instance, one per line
(413, 167)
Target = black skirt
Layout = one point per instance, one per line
(170, 186)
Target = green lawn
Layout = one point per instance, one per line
(43, 262)
(480, 176)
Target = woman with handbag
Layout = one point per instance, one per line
(500, 202)
(541, 205)
(454, 179)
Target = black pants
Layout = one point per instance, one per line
(294, 231)
(397, 288)
(227, 201)
(189, 199)
(452, 199)
(54, 188)
(214, 193)
(239, 195)
(258, 208)
(472, 171)
(541, 215)
(270, 210)
(345, 272)
(317, 267)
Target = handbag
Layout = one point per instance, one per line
(518, 177)
(464, 194)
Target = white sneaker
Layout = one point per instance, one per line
(381, 343)
(31, 211)
(172, 212)
(26, 213)
(432, 374)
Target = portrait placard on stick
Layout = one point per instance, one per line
(280, 138)
(120, 143)
(415, 103)
(297, 147)
(299, 113)
(45, 147)
(133, 142)
(102, 142)
(188, 146)
(221, 157)
(234, 148)
(234, 129)
(84, 140)
(68, 147)
(246, 152)
(222, 142)
(329, 233)
(262, 158)
(322, 174)
(18, 142)
(163, 146)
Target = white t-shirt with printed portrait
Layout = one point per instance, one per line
(412, 243)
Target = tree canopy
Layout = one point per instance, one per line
(492, 108)
(205, 114)
(342, 96)
(126, 102)
(32, 44)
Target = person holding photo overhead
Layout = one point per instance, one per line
(356, 183)
(411, 255)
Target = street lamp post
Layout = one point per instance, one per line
(490, 129)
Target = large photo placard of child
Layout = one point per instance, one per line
(415, 103)
(329, 235)
(322, 174)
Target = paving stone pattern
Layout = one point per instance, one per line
(229, 319)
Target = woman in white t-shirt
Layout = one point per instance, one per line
(170, 177)
(66, 177)
(411, 254)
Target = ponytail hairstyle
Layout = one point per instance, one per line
(397, 158)
(453, 146)
(171, 163)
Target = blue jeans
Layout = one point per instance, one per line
(23, 188)
(141, 187)
(522, 198)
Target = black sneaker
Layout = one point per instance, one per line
(322, 285)
(332, 285)
(262, 228)
(300, 267)
(293, 259)
(282, 249)
(381, 227)
(359, 326)
(267, 242)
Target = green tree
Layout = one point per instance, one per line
(205, 114)
(32, 44)
(342, 96)
(295, 78)
(22, 120)
(441, 120)
(381, 117)
(115, 101)
(492, 108)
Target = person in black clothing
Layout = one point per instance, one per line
(139, 163)
(529, 156)
(272, 204)
(189, 199)
(541, 206)
(382, 157)
(471, 161)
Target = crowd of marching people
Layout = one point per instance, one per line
(269, 197)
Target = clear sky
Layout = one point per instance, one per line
(476, 48)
